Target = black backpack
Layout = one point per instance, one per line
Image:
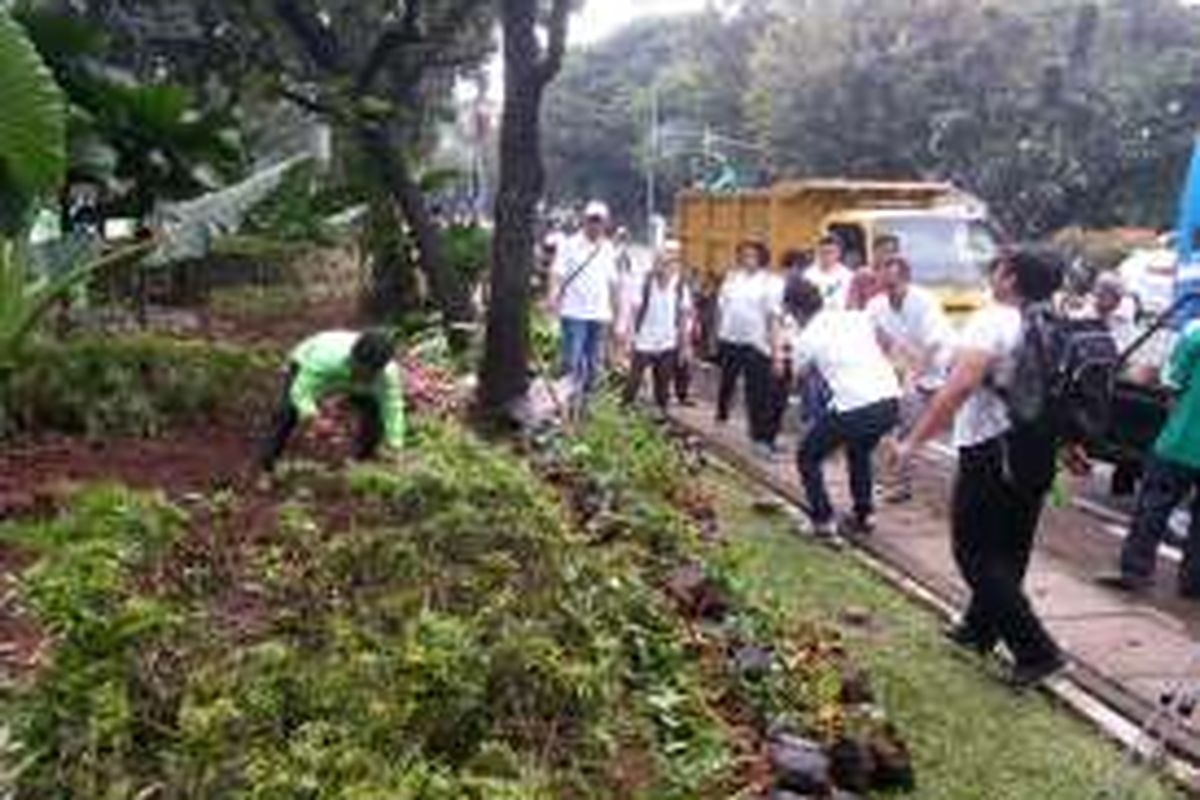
(1063, 376)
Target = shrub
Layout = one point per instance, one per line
(457, 640)
(129, 386)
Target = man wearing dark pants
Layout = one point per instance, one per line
(841, 347)
(994, 523)
(860, 431)
(356, 366)
(1172, 475)
(1004, 470)
(746, 310)
(660, 322)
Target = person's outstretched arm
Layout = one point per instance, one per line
(970, 369)
(391, 407)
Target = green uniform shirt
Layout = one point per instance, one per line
(323, 368)
(1179, 441)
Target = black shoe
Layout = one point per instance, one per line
(1027, 676)
(1123, 582)
(964, 637)
(856, 526)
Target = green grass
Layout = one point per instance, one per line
(971, 737)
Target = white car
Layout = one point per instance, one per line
(1149, 276)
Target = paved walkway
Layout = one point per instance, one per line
(1125, 651)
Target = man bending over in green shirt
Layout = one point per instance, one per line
(1172, 474)
(356, 366)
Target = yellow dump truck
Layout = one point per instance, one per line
(943, 231)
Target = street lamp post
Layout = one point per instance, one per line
(651, 159)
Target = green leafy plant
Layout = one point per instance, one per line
(26, 298)
(33, 129)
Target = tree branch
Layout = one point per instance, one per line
(407, 31)
(307, 103)
(319, 44)
(556, 45)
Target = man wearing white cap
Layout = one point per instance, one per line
(584, 294)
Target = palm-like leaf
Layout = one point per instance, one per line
(23, 302)
(33, 126)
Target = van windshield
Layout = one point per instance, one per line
(944, 250)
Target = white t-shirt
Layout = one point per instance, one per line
(996, 330)
(834, 284)
(746, 304)
(919, 330)
(660, 323)
(841, 345)
(588, 296)
(629, 296)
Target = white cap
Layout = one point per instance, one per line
(595, 209)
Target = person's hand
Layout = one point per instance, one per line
(903, 455)
(1075, 458)
(323, 426)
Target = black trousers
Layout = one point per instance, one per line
(780, 393)
(683, 378)
(860, 431)
(747, 363)
(1165, 487)
(662, 367)
(367, 439)
(993, 524)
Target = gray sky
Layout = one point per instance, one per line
(599, 18)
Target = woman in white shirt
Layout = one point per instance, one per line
(840, 345)
(659, 327)
(746, 306)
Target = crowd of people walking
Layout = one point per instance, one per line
(865, 357)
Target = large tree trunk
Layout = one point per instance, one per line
(393, 289)
(504, 377)
(447, 289)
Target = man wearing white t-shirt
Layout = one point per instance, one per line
(917, 338)
(1004, 471)
(584, 294)
(840, 345)
(831, 277)
(659, 328)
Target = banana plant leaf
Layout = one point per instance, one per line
(23, 302)
(33, 126)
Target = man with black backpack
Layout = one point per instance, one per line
(1024, 381)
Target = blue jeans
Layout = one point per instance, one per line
(582, 351)
(860, 431)
(1165, 486)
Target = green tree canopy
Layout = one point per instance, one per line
(1056, 112)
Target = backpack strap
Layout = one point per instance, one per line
(644, 308)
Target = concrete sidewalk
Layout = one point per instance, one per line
(1124, 651)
